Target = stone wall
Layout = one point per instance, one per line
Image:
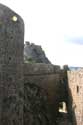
(49, 78)
(11, 69)
(75, 80)
(31, 93)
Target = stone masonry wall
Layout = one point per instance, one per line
(75, 80)
(48, 78)
(11, 69)
(23, 87)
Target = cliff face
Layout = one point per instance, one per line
(34, 54)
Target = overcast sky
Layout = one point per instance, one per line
(56, 25)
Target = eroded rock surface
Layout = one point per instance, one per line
(34, 54)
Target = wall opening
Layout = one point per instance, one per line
(62, 107)
(9, 58)
(77, 89)
(62, 116)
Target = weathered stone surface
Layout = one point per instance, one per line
(34, 54)
(11, 36)
(32, 93)
(11, 69)
(63, 120)
(36, 107)
(40, 68)
(75, 80)
(49, 78)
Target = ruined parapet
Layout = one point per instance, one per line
(75, 80)
(11, 70)
(44, 84)
(40, 68)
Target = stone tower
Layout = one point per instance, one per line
(11, 69)
(75, 80)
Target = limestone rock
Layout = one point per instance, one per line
(34, 54)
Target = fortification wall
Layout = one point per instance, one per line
(75, 80)
(48, 77)
(11, 73)
(21, 101)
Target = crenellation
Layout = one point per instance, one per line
(34, 93)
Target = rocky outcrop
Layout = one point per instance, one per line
(34, 54)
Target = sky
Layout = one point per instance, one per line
(56, 25)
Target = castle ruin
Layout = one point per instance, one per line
(32, 94)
